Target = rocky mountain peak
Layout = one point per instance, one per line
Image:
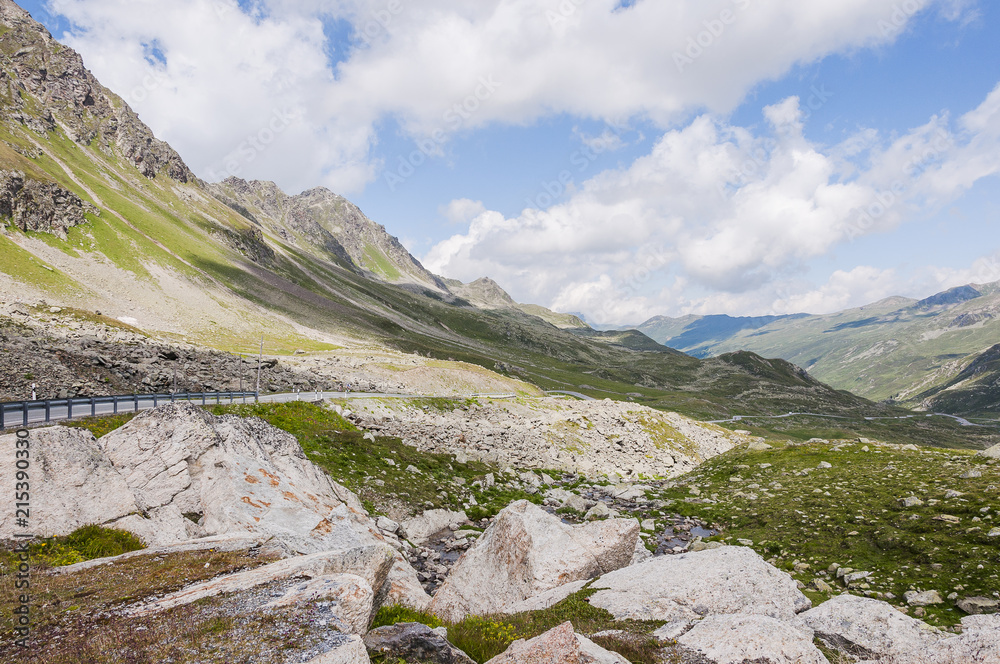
(319, 219)
(45, 86)
(485, 293)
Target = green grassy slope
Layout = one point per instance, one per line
(186, 264)
(895, 349)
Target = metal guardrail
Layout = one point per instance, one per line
(26, 413)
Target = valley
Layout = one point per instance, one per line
(461, 478)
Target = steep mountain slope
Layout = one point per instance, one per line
(320, 219)
(898, 348)
(975, 391)
(100, 216)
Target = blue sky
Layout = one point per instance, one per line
(713, 190)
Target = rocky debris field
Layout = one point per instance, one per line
(70, 352)
(254, 548)
(592, 438)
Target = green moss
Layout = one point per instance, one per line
(102, 425)
(86, 543)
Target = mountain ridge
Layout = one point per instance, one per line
(900, 349)
(225, 265)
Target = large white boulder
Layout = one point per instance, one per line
(979, 643)
(867, 628)
(527, 551)
(690, 586)
(350, 595)
(72, 483)
(420, 528)
(559, 645)
(178, 473)
(223, 475)
(735, 639)
(369, 563)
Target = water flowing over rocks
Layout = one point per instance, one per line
(527, 551)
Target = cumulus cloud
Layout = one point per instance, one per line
(462, 210)
(219, 76)
(719, 210)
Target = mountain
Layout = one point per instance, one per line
(100, 216)
(327, 226)
(696, 335)
(917, 352)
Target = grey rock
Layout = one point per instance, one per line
(413, 642)
(559, 645)
(735, 639)
(527, 551)
(925, 598)
(346, 649)
(867, 628)
(978, 605)
(689, 586)
(419, 529)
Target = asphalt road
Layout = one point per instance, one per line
(60, 411)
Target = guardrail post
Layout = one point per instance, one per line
(48, 411)
(154, 401)
(93, 406)
(135, 401)
(218, 398)
(3, 413)
(114, 400)
(25, 405)
(69, 409)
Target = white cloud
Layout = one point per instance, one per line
(729, 214)
(424, 64)
(462, 210)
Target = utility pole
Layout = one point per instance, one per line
(260, 361)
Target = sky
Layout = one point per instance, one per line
(616, 158)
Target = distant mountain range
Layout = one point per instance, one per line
(97, 214)
(939, 353)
